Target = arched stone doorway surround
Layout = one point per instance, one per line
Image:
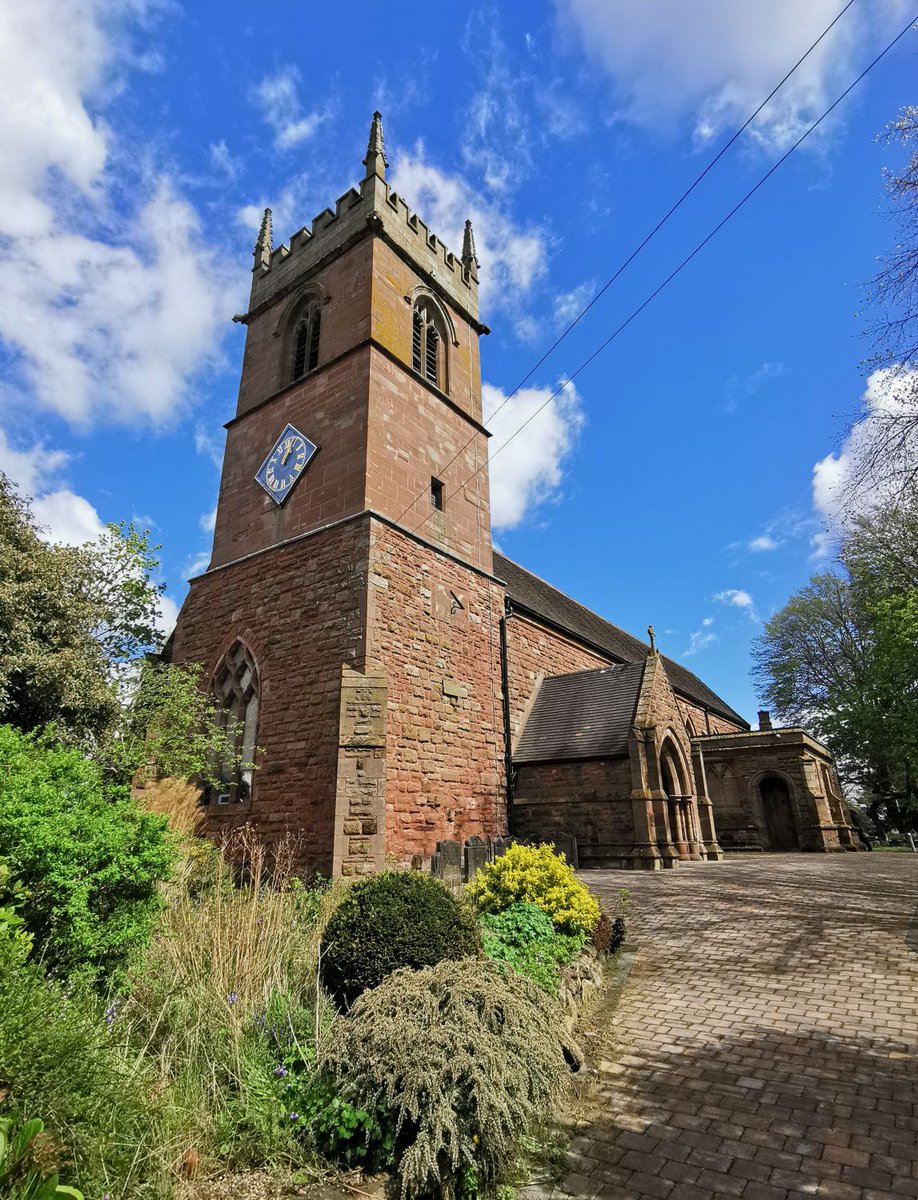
(676, 781)
(776, 806)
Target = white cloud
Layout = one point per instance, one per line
(735, 596)
(740, 387)
(208, 520)
(198, 564)
(278, 98)
(513, 112)
(530, 470)
(62, 516)
(210, 446)
(763, 543)
(714, 61)
(699, 640)
(107, 311)
(512, 259)
(167, 616)
(67, 518)
(569, 305)
(223, 161)
(857, 478)
(30, 466)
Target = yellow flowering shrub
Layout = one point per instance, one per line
(539, 876)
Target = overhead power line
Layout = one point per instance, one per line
(640, 247)
(685, 261)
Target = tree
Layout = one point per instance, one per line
(887, 453)
(841, 658)
(78, 636)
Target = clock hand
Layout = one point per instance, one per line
(286, 454)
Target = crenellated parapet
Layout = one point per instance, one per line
(371, 209)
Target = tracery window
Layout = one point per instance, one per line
(428, 346)
(236, 693)
(305, 339)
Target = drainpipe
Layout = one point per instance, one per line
(505, 692)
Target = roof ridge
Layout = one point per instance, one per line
(630, 648)
(579, 603)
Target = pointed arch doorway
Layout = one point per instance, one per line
(780, 819)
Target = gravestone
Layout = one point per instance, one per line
(476, 855)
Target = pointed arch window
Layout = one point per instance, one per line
(305, 335)
(236, 693)
(428, 345)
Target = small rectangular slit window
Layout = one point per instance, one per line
(436, 494)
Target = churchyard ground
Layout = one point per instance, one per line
(766, 1041)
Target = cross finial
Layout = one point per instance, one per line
(469, 256)
(653, 642)
(376, 161)
(264, 245)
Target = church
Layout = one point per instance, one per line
(395, 680)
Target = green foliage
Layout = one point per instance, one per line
(395, 919)
(78, 626)
(524, 938)
(841, 657)
(12, 923)
(341, 1131)
(52, 668)
(465, 1058)
(537, 875)
(89, 862)
(23, 1176)
(62, 1060)
(168, 727)
(224, 1004)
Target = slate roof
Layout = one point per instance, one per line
(533, 595)
(584, 715)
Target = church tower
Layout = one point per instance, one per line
(349, 618)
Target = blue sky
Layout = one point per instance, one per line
(677, 482)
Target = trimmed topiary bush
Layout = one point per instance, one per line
(539, 876)
(466, 1060)
(524, 938)
(395, 919)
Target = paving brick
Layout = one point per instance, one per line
(764, 1044)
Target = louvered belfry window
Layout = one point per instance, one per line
(428, 345)
(306, 341)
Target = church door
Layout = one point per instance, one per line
(780, 824)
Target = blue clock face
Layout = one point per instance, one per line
(289, 458)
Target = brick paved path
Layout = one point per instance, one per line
(766, 1043)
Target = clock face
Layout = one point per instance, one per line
(289, 458)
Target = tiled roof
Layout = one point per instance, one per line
(585, 715)
(527, 591)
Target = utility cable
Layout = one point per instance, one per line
(637, 250)
(685, 261)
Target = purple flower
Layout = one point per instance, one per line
(111, 1012)
(232, 998)
(280, 1070)
(294, 1116)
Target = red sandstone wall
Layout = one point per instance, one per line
(393, 280)
(300, 608)
(589, 800)
(444, 749)
(345, 323)
(706, 722)
(330, 407)
(414, 435)
(534, 651)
